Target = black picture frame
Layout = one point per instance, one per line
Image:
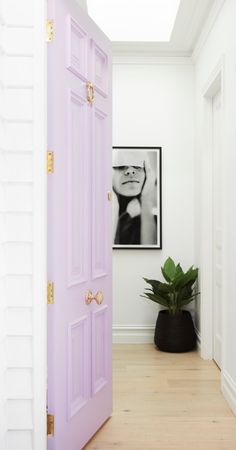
(123, 240)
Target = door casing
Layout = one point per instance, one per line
(214, 83)
(217, 227)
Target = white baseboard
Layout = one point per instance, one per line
(138, 334)
(133, 334)
(228, 387)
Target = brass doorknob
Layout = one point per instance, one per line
(89, 297)
(90, 92)
(99, 297)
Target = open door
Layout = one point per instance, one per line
(79, 227)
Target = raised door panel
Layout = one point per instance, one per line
(100, 222)
(100, 69)
(77, 50)
(78, 368)
(77, 194)
(99, 349)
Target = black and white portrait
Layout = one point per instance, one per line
(136, 183)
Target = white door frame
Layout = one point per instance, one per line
(39, 438)
(214, 84)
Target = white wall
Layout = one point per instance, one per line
(153, 105)
(22, 226)
(220, 45)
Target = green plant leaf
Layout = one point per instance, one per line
(156, 298)
(179, 269)
(177, 279)
(169, 269)
(159, 288)
(185, 279)
(165, 276)
(153, 283)
(188, 300)
(184, 293)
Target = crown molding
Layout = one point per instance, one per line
(152, 60)
(215, 80)
(214, 13)
(150, 49)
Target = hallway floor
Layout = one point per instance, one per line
(165, 401)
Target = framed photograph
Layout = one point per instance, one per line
(136, 183)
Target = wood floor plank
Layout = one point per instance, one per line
(165, 401)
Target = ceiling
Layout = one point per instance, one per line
(135, 20)
(190, 19)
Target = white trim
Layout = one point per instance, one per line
(149, 50)
(133, 334)
(39, 229)
(155, 60)
(214, 13)
(228, 387)
(215, 81)
(199, 340)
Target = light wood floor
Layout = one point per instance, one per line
(165, 401)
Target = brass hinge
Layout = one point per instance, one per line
(50, 293)
(109, 196)
(50, 162)
(49, 30)
(50, 425)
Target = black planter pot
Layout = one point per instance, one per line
(175, 334)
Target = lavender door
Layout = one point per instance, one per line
(79, 227)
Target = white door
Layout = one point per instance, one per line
(217, 228)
